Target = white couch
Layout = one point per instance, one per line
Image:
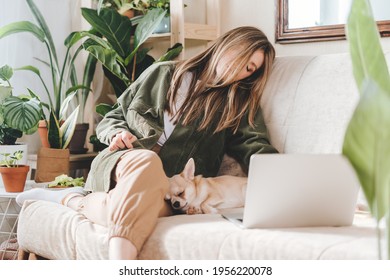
(307, 105)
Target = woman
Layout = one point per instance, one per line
(202, 108)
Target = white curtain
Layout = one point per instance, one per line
(62, 17)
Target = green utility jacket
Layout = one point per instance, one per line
(141, 111)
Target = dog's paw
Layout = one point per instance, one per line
(194, 210)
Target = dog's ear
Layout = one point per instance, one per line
(189, 170)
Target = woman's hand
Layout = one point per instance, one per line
(122, 140)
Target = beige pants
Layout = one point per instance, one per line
(131, 208)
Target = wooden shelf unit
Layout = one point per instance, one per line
(182, 30)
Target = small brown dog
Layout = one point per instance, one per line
(196, 195)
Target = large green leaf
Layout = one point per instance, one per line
(89, 73)
(365, 48)
(21, 114)
(145, 29)
(366, 144)
(68, 127)
(22, 26)
(109, 59)
(367, 138)
(102, 109)
(119, 85)
(113, 26)
(65, 104)
(53, 136)
(42, 23)
(30, 68)
(172, 53)
(74, 37)
(147, 25)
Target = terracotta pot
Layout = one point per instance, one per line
(43, 133)
(14, 178)
(77, 143)
(4, 149)
(129, 13)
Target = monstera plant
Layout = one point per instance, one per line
(367, 139)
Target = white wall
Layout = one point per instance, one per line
(261, 13)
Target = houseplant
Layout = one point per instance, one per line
(367, 138)
(143, 6)
(139, 8)
(18, 115)
(14, 175)
(63, 79)
(121, 52)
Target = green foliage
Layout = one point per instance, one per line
(121, 53)
(11, 160)
(18, 114)
(67, 181)
(367, 138)
(142, 6)
(64, 84)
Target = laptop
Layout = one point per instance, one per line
(294, 190)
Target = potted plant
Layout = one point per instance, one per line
(366, 142)
(142, 6)
(64, 83)
(119, 46)
(14, 175)
(121, 52)
(18, 115)
(58, 127)
(130, 8)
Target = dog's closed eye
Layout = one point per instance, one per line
(180, 194)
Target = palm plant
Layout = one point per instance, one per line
(63, 79)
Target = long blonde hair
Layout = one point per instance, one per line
(208, 96)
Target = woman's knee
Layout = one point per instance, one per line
(139, 158)
(148, 157)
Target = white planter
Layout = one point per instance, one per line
(10, 149)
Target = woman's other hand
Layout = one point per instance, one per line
(122, 140)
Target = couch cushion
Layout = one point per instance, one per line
(192, 237)
(308, 102)
(54, 231)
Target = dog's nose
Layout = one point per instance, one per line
(176, 204)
